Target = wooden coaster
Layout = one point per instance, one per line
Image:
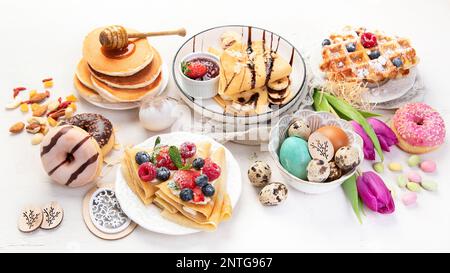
(87, 216)
(320, 147)
(30, 219)
(53, 215)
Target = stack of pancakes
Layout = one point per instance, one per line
(105, 79)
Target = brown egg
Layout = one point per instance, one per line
(336, 135)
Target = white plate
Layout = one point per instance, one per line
(211, 38)
(133, 105)
(149, 217)
(391, 90)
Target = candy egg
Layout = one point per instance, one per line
(336, 135)
(428, 166)
(294, 156)
(414, 177)
(300, 128)
(156, 114)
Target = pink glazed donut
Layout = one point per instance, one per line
(70, 156)
(419, 128)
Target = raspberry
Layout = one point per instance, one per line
(211, 170)
(163, 160)
(186, 179)
(147, 172)
(368, 40)
(188, 150)
(198, 195)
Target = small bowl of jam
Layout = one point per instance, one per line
(200, 75)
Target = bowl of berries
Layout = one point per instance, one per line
(200, 74)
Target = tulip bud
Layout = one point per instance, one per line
(368, 148)
(374, 193)
(384, 133)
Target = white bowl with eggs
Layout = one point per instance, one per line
(315, 120)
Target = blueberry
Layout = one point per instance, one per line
(326, 42)
(397, 62)
(208, 190)
(351, 47)
(198, 163)
(201, 180)
(163, 174)
(374, 54)
(186, 195)
(142, 157)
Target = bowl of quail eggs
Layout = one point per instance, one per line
(315, 151)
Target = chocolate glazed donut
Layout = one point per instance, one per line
(99, 127)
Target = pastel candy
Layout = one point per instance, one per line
(429, 185)
(414, 187)
(413, 160)
(414, 177)
(402, 180)
(428, 166)
(395, 167)
(409, 198)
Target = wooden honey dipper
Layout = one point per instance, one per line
(116, 37)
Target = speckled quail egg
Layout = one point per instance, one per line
(347, 158)
(273, 194)
(318, 170)
(259, 173)
(335, 172)
(300, 128)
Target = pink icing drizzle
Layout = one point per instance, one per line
(420, 125)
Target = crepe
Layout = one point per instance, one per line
(144, 190)
(206, 217)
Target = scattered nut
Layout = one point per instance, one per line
(52, 122)
(37, 139)
(68, 113)
(56, 115)
(13, 105)
(17, 127)
(37, 120)
(53, 105)
(38, 97)
(40, 111)
(44, 129)
(33, 128)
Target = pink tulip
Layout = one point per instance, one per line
(368, 148)
(374, 193)
(385, 135)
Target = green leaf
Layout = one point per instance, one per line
(369, 114)
(175, 156)
(353, 114)
(157, 142)
(351, 192)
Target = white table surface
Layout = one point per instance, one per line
(43, 38)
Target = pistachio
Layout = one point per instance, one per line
(37, 139)
(33, 128)
(37, 120)
(17, 127)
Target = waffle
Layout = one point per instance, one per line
(341, 65)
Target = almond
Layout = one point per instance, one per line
(33, 128)
(39, 111)
(17, 127)
(56, 115)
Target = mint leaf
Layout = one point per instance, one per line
(157, 141)
(175, 156)
(156, 150)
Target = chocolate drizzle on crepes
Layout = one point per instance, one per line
(246, 72)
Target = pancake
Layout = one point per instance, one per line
(85, 92)
(127, 66)
(84, 74)
(141, 79)
(125, 95)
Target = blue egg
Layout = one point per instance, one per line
(294, 156)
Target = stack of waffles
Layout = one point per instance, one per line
(348, 57)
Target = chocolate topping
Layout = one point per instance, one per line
(99, 127)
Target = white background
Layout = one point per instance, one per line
(44, 38)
